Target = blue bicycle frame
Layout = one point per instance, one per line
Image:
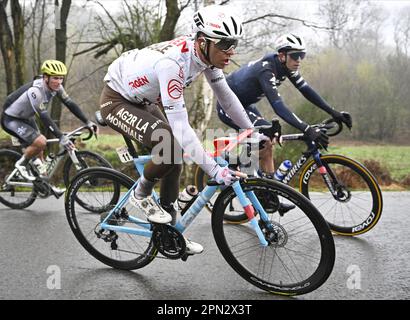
(247, 200)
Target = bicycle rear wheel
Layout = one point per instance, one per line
(117, 249)
(358, 205)
(301, 253)
(11, 194)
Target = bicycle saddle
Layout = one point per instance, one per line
(100, 120)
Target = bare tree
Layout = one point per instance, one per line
(12, 44)
(61, 48)
(37, 26)
(140, 25)
(402, 33)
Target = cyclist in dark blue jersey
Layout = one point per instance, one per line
(262, 77)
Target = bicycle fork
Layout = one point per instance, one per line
(326, 174)
(75, 160)
(250, 212)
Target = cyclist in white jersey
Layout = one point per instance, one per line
(140, 81)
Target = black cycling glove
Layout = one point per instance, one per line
(317, 136)
(343, 117)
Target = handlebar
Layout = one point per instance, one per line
(75, 134)
(325, 126)
(329, 124)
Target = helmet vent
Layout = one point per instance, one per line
(199, 21)
(235, 26)
(227, 28)
(223, 34)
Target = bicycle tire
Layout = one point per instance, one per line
(350, 215)
(85, 157)
(13, 197)
(101, 248)
(310, 253)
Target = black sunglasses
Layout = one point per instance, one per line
(225, 44)
(297, 55)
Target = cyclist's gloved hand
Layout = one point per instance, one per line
(223, 175)
(93, 126)
(273, 132)
(317, 136)
(343, 117)
(67, 143)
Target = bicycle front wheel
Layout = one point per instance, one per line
(17, 193)
(300, 254)
(357, 204)
(87, 159)
(103, 188)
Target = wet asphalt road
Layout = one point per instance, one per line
(37, 245)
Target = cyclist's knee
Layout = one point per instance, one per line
(40, 143)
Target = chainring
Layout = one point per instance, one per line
(169, 241)
(42, 188)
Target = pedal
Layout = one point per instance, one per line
(58, 193)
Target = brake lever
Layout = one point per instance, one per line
(278, 139)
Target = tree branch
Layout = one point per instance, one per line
(304, 22)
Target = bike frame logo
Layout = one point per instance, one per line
(295, 169)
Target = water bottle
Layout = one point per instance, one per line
(282, 170)
(186, 196)
(49, 161)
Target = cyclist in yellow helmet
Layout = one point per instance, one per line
(22, 105)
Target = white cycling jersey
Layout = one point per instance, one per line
(159, 73)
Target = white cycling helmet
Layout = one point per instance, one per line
(217, 22)
(290, 42)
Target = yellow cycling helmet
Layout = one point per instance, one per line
(53, 68)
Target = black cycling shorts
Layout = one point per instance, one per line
(25, 130)
(254, 115)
